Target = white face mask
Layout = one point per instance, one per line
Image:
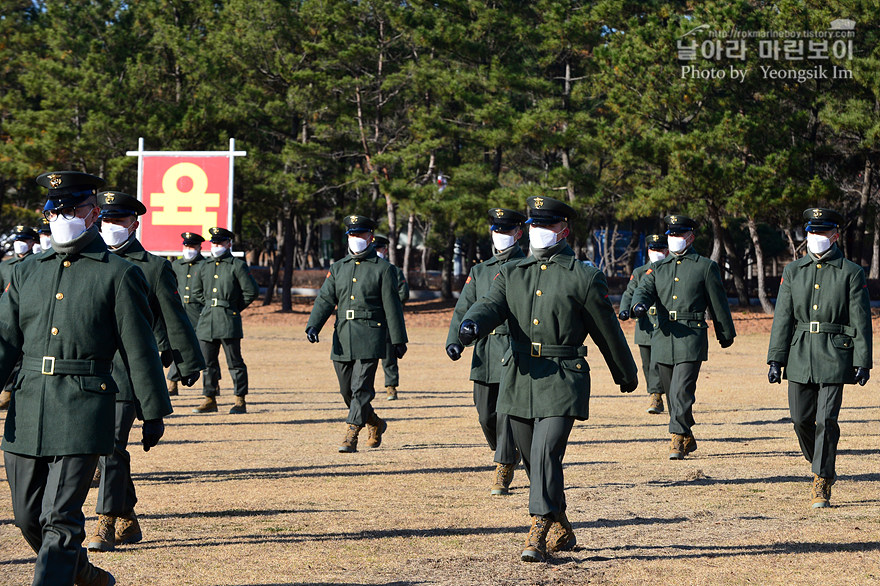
(541, 237)
(190, 253)
(37, 249)
(356, 244)
(218, 251)
(63, 230)
(45, 242)
(817, 244)
(113, 234)
(676, 243)
(20, 246)
(381, 254)
(655, 255)
(502, 241)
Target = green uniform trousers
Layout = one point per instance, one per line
(814, 410)
(680, 383)
(389, 365)
(47, 499)
(496, 426)
(356, 380)
(234, 361)
(650, 371)
(542, 443)
(116, 494)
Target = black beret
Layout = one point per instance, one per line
(357, 223)
(656, 241)
(504, 219)
(192, 239)
(379, 241)
(115, 204)
(676, 223)
(67, 188)
(546, 210)
(821, 219)
(221, 234)
(24, 233)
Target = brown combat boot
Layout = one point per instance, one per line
(104, 538)
(96, 479)
(656, 405)
(561, 535)
(503, 478)
(94, 576)
(350, 442)
(536, 542)
(376, 426)
(676, 448)
(239, 407)
(821, 492)
(5, 400)
(209, 405)
(392, 393)
(173, 388)
(690, 444)
(129, 530)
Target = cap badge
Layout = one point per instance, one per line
(109, 197)
(54, 180)
(539, 202)
(19, 228)
(673, 219)
(353, 219)
(499, 212)
(817, 213)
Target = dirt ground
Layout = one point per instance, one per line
(265, 498)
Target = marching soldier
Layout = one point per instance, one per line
(551, 303)
(45, 236)
(822, 337)
(682, 287)
(177, 343)
(70, 310)
(646, 324)
(389, 362)
(186, 269)
(225, 288)
(505, 226)
(23, 244)
(363, 289)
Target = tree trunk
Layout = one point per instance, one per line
(736, 271)
(307, 246)
(287, 253)
(859, 254)
(407, 252)
(391, 210)
(874, 273)
(759, 266)
(446, 276)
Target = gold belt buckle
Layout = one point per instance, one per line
(673, 316)
(814, 327)
(536, 350)
(186, 298)
(50, 360)
(214, 302)
(349, 314)
(652, 310)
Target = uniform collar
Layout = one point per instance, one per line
(514, 251)
(688, 254)
(832, 258)
(227, 257)
(564, 256)
(90, 246)
(198, 258)
(368, 255)
(132, 250)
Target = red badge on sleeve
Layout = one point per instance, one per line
(649, 271)
(468, 280)
(328, 275)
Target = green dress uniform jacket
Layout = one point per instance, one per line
(224, 287)
(171, 326)
(363, 289)
(488, 351)
(6, 268)
(646, 324)
(682, 287)
(187, 271)
(70, 313)
(402, 285)
(822, 322)
(550, 307)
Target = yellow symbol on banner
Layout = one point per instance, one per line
(196, 199)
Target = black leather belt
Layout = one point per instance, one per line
(361, 314)
(816, 327)
(539, 350)
(49, 365)
(680, 315)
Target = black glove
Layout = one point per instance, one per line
(167, 357)
(190, 379)
(726, 343)
(774, 375)
(629, 387)
(623, 315)
(862, 375)
(468, 332)
(454, 351)
(152, 431)
(312, 334)
(639, 309)
(400, 350)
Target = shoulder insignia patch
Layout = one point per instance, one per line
(649, 271)
(468, 280)
(631, 277)
(496, 275)
(328, 275)
(781, 280)
(7, 287)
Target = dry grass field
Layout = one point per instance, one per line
(265, 498)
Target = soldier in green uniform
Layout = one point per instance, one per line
(363, 291)
(186, 269)
(24, 239)
(682, 287)
(70, 310)
(177, 344)
(389, 362)
(45, 234)
(822, 338)
(551, 303)
(225, 288)
(646, 324)
(505, 227)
